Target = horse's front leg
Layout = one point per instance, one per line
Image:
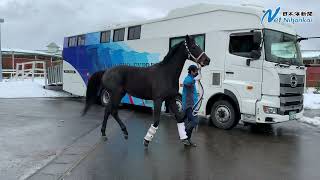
(153, 128)
(180, 121)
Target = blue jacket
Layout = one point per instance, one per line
(189, 92)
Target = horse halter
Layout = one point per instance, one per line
(191, 55)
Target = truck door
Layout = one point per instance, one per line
(243, 68)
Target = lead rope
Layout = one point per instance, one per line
(197, 106)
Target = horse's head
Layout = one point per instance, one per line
(195, 53)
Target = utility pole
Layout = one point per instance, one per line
(1, 21)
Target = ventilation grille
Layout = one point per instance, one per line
(216, 79)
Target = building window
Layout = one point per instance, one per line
(118, 35)
(241, 44)
(81, 40)
(199, 38)
(105, 37)
(72, 42)
(134, 32)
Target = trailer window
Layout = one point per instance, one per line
(118, 35)
(105, 37)
(134, 32)
(72, 42)
(241, 45)
(199, 38)
(81, 40)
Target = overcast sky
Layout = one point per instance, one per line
(33, 24)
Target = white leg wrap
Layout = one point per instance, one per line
(151, 132)
(182, 131)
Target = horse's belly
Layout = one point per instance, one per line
(139, 92)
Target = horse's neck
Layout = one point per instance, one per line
(175, 66)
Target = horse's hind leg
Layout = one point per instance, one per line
(107, 112)
(114, 112)
(121, 124)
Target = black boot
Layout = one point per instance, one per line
(186, 142)
(189, 134)
(192, 143)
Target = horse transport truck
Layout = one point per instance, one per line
(256, 73)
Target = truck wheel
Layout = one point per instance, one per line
(104, 98)
(223, 115)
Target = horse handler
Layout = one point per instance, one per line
(189, 99)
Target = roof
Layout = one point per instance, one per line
(205, 8)
(310, 53)
(53, 45)
(29, 52)
(195, 9)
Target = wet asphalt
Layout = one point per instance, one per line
(34, 131)
(283, 151)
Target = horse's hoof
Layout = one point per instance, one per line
(145, 143)
(104, 138)
(126, 136)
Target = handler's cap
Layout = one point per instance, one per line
(192, 68)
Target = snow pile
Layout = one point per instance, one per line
(313, 121)
(27, 88)
(311, 100)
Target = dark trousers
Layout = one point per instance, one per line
(190, 121)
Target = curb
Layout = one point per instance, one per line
(72, 156)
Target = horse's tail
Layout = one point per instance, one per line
(94, 85)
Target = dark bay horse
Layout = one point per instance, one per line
(159, 82)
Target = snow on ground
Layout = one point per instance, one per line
(311, 100)
(312, 121)
(26, 89)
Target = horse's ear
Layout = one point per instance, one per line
(187, 38)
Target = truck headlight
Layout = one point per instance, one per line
(270, 110)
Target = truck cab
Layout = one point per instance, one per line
(263, 79)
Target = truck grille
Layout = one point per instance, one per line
(291, 93)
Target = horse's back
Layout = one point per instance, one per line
(136, 81)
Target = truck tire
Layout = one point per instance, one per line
(104, 97)
(223, 115)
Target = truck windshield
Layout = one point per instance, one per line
(282, 48)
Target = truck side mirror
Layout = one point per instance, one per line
(257, 39)
(254, 55)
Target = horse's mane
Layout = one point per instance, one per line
(171, 52)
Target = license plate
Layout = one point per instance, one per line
(292, 115)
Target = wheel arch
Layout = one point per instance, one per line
(226, 95)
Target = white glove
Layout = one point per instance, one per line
(197, 78)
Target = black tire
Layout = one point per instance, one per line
(104, 97)
(223, 115)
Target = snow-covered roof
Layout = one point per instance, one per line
(53, 45)
(311, 54)
(29, 52)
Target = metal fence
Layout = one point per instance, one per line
(34, 68)
(54, 75)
